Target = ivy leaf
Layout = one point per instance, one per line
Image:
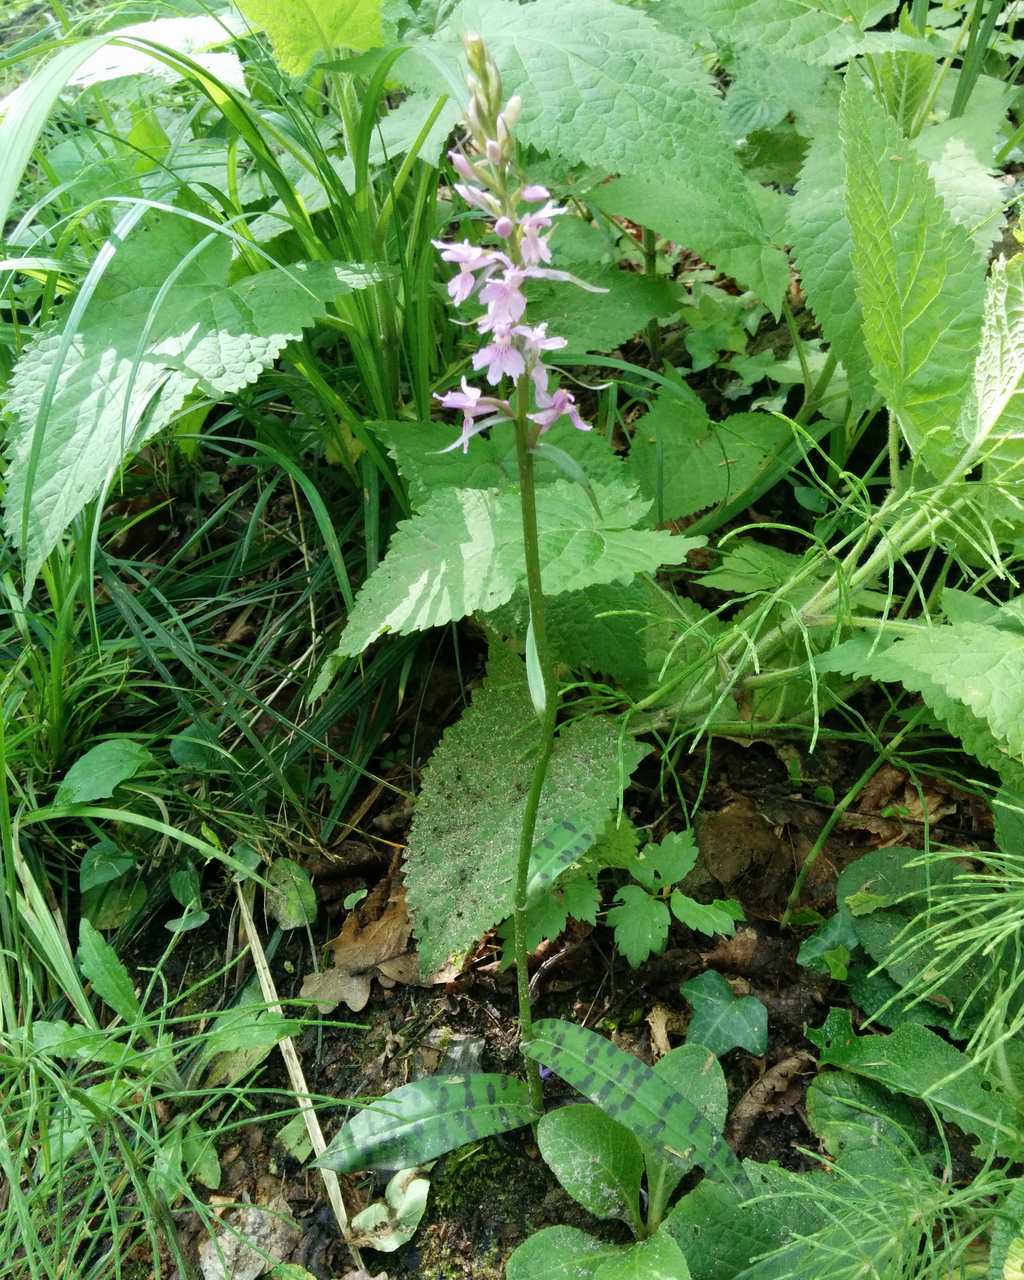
(920, 279)
(823, 248)
(722, 1021)
(640, 923)
(464, 552)
(136, 356)
(291, 898)
(459, 862)
(307, 29)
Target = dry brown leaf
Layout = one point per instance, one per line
(763, 1095)
(658, 1020)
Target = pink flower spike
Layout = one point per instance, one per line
(504, 301)
(469, 259)
(537, 339)
(478, 198)
(536, 192)
(504, 227)
(502, 358)
(462, 166)
(561, 404)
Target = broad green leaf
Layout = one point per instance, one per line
(595, 1159)
(160, 324)
(640, 923)
(917, 1062)
(829, 31)
(103, 768)
(696, 1073)
(600, 321)
(554, 852)
(991, 427)
(823, 247)
(849, 1113)
(291, 898)
(559, 1253)
(631, 1093)
(103, 863)
(659, 1258)
(719, 916)
(111, 981)
(708, 212)
(722, 1021)
(920, 280)
(1006, 1255)
(659, 865)
(304, 30)
(420, 1121)
(24, 112)
(972, 193)
(461, 849)
(463, 552)
(685, 463)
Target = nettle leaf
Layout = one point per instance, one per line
(711, 213)
(461, 850)
(595, 1159)
(136, 357)
(915, 1061)
(631, 1093)
(304, 30)
(659, 1258)
(850, 1114)
(463, 552)
(601, 321)
(685, 463)
(423, 1120)
(103, 768)
(722, 1021)
(920, 279)
(640, 923)
(972, 193)
(559, 1253)
(828, 32)
(823, 248)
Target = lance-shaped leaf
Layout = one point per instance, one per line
(920, 279)
(463, 552)
(165, 319)
(631, 1093)
(423, 1120)
(829, 31)
(553, 853)
(307, 29)
(461, 850)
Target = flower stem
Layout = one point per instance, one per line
(548, 715)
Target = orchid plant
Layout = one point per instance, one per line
(514, 352)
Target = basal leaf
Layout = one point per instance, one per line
(104, 767)
(139, 351)
(111, 981)
(463, 552)
(696, 1073)
(658, 1258)
(420, 1121)
(708, 212)
(554, 852)
(461, 850)
(559, 1253)
(304, 30)
(595, 1159)
(919, 278)
(823, 247)
(631, 1093)
(722, 1021)
(829, 31)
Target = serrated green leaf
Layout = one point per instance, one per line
(559, 1253)
(601, 321)
(722, 1021)
(660, 865)
(420, 1121)
(715, 918)
(103, 768)
(920, 279)
(136, 356)
(304, 30)
(972, 193)
(823, 248)
(709, 212)
(595, 1159)
(917, 1062)
(829, 31)
(463, 552)
(658, 1258)
(849, 1113)
(111, 981)
(640, 923)
(291, 898)
(460, 855)
(630, 1092)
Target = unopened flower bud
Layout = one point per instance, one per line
(462, 166)
(504, 227)
(513, 110)
(494, 152)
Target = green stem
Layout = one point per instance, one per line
(651, 271)
(548, 714)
